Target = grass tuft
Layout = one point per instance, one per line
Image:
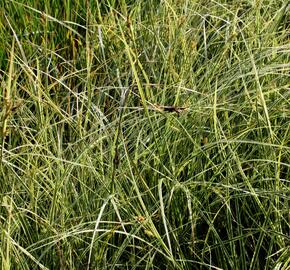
(144, 135)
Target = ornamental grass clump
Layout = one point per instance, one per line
(144, 134)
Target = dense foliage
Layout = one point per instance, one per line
(144, 134)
